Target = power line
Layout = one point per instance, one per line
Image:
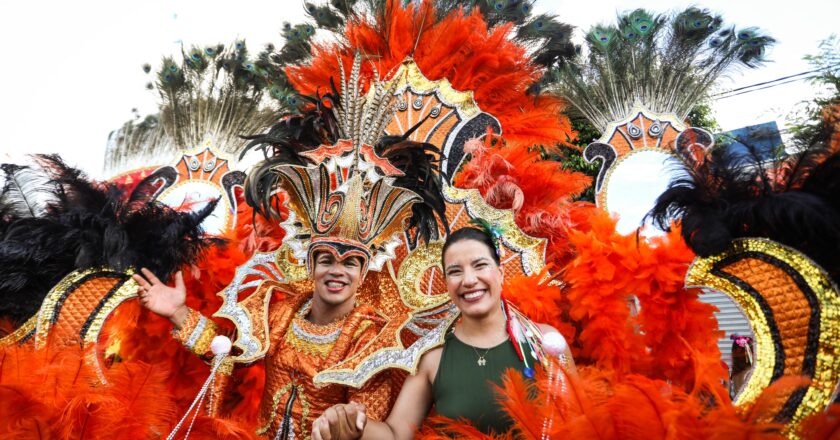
(767, 87)
(777, 80)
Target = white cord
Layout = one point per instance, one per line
(220, 346)
(217, 362)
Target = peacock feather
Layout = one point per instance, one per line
(226, 91)
(665, 62)
(218, 91)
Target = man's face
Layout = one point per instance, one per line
(336, 280)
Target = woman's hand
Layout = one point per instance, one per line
(161, 299)
(340, 422)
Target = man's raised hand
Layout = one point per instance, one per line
(161, 299)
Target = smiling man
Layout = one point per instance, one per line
(308, 334)
(344, 215)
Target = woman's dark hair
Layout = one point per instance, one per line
(469, 233)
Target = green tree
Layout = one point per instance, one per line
(701, 116)
(808, 120)
(571, 155)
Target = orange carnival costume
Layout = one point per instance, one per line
(346, 198)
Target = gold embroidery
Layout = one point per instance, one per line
(300, 336)
(202, 345)
(275, 403)
(183, 334)
(20, 332)
(362, 327)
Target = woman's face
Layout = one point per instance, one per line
(473, 278)
(336, 280)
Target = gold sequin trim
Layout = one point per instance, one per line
(410, 276)
(292, 269)
(310, 347)
(48, 307)
(20, 332)
(202, 345)
(128, 290)
(226, 367)
(827, 370)
(409, 75)
(275, 403)
(364, 325)
(190, 323)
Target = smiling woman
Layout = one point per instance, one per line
(458, 378)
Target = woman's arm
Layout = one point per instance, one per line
(349, 421)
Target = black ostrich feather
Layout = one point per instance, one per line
(722, 195)
(91, 225)
(282, 145)
(420, 164)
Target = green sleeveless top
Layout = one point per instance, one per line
(462, 388)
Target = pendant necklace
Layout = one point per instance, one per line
(481, 361)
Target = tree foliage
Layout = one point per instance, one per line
(808, 120)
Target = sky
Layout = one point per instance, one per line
(72, 70)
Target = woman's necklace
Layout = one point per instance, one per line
(481, 361)
(482, 358)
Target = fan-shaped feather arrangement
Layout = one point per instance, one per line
(665, 62)
(220, 92)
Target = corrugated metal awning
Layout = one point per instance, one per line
(731, 319)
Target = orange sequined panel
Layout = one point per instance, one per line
(300, 349)
(788, 304)
(412, 108)
(70, 316)
(642, 132)
(794, 310)
(204, 165)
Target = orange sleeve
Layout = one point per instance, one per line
(379, 393)
(197, 333)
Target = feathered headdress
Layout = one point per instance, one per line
(351, 189)
(214, 92)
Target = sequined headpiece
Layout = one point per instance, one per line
(345, 213)
(343, 198)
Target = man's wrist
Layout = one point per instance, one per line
(179, 317)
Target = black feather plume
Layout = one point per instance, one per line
(420, 164)
(282, 145)
(90, 225)
(723, 194)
